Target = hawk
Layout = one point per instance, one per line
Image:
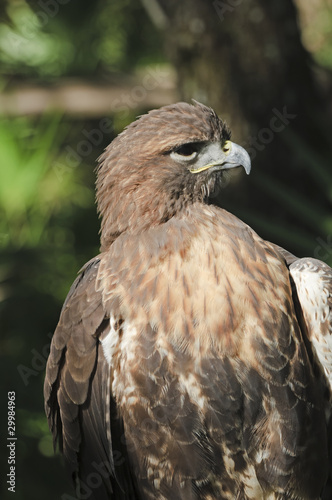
(192, 359)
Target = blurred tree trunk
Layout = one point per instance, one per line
(245, 59)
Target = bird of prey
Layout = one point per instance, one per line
(192, 359)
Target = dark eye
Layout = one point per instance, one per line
(185, 152)
(186, 149)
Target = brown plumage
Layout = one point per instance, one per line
(192, 359)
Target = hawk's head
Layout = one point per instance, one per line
(167, 159)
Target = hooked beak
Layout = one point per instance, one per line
(231, 155)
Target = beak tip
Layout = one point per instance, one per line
(241, 157)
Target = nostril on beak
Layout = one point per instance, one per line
(227, 147)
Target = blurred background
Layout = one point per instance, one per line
(73, 73)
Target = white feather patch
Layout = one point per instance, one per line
(111, 341)
(313, 281)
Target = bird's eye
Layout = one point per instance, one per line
(186, 152)
(186, 149)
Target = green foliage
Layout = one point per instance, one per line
(31, 189)
(27, 49)
(50, 39)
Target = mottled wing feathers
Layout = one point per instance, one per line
(104, 470)
(72, 361)
(77, 392)
(288, 256)
(312, 280)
